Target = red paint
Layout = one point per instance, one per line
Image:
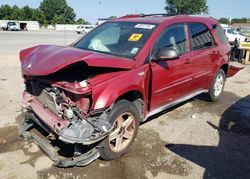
(171, 80)
(45, 59)
(233, 70)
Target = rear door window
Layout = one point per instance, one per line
(201, 37)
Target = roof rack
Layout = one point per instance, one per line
(144, 15)
(158, 14)
(199, 15)
(130, 16)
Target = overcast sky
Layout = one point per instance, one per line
(91, 10)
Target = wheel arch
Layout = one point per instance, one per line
(225, 67)
(137, 98)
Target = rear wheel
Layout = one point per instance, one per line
(125, 119)
(217, 86)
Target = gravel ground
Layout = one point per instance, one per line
(196, 139)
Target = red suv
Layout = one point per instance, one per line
(92, 96)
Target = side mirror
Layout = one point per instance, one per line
(167, 54)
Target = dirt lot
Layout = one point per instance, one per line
(196, 139)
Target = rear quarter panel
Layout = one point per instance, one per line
(220, 53)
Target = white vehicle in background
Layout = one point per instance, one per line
(10, 26)
(3, 26)
(234, 35)
(83, 29)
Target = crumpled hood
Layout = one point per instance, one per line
(47, 59)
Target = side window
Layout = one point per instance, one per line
(221, 34)
(173, 37)
(201, 37)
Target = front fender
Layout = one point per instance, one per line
(105, 94)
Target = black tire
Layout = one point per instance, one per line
(120, 108)
(214, 94)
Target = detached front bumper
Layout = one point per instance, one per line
(28, 131)
(83, 131)
(78, 132)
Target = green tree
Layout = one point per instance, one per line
(224, 20)
(58, 19)
(16, 13)
(57, 11)
(6, 12)
(39, 16)
(239, 20)
(82, 21)
(186, 7)
(27, 13)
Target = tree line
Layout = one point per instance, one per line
(224, 20)
(49, 12)
(174, 7)
(59, 12)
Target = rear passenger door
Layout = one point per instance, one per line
(204, 54)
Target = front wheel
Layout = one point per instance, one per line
(125, 119)
(217, 86)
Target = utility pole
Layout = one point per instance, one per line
(100, 5)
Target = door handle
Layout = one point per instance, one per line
(216, 53)
(187, 61)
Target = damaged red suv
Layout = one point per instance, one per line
(88, 99)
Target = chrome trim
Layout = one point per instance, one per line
(173, 85)
(169, 105)
(202, 74)
(141, 74)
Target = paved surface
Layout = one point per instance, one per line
(196, 139)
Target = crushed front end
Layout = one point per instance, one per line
(60, 112)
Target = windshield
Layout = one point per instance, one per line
(11, 23)
(124, 39)
(230, 31)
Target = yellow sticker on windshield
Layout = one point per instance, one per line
(135, 37)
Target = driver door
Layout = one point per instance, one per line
(171, 79)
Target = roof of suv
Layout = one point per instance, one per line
(159, 18)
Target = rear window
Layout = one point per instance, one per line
(201, 37)
(221, 34)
